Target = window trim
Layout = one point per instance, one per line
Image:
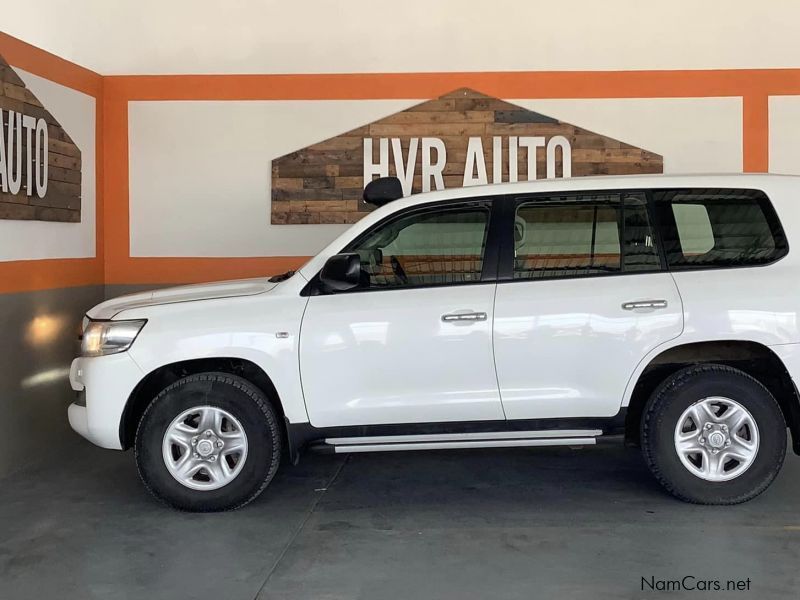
(664, 220)
(490, 258)
(506, 267)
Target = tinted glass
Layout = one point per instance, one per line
(639, 248)
(581, 236)
(719, 228)
(433, 247)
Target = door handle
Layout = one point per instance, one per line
(465, 316)
(644, 304)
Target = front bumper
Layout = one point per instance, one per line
(79, 420)
(107, 382)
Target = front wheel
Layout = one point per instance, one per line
(208, 442)
(712, 434)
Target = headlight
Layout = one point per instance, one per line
(109, 337)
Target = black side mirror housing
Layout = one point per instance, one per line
(383, 190)
(341, 272)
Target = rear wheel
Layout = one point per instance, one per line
(208, 442)
(712, 434)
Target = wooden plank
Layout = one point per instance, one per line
(316, 183)
(315, 195)
(341, 143)
(8, 74)
(63, 188)
(431, 105)
(45, 213)
(21, 198)
(65, 162)
(65, 148)
(22, 212)
(336, 164)
(338, 217)
(62, 202)
(431, 130)
(56, 199)
(443, 116)
(287, 183)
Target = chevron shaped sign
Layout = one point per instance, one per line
(462, 138)
(40, 165)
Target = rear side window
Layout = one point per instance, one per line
(718, 228)
(584, 235)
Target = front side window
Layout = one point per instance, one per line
(583, 236)
(441, 246)
(705, 228)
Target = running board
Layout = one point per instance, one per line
(496, 439)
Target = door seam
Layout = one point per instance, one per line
(494, 355)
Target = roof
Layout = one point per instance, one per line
(603, 182)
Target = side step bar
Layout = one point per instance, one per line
(497, 439)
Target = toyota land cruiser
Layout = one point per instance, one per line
(662, 311)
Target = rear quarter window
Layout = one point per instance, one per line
(719, 228)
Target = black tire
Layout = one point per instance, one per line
(674, 396)
(242, 400)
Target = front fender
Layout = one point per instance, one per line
(264, 330)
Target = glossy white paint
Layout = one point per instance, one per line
(184, 293)
(388, 357)
(107, 382)
(564, 348)
(561, 347)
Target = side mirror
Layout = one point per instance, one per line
(383, 190)
(341, 272)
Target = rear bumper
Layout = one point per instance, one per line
(107, 383)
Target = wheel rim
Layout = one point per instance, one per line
(204, 448)
(716, 439)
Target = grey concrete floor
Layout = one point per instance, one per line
(539, 523)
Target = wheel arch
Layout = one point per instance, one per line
(156, 380)
(755, 359)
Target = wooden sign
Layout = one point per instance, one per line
(40, 165)
(459, 139)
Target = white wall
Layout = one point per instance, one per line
(694, 135)
(313, 36)
(200, 171)
(27, 240)
(784, 134)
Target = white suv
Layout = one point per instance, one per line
(659, 311)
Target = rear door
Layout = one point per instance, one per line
(582, 299)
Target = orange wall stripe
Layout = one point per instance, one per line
(753, 85)
(42, 63)
(31, 275)
(510, 85)
(116, 220)
(114, 264)
(198, 270)
(755, 134)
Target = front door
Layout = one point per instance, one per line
(583, 303)
(413, 343)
